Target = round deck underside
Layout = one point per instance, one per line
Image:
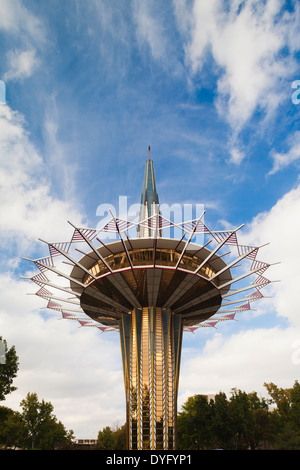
(151, 274)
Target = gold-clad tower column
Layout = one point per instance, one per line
(151, 345)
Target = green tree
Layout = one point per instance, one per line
(221, 422)
(194, 424)
(120, 442)
(257, 403)
(12, 429)
(43, 429)
(9, 366)
(281, 397)
(113, 439)
(52, 434)
(245, 421)
(287, 438)
(285, 418)
(106, 438)
(295, 406)
(242, 421)
(260, 435)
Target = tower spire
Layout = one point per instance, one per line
(149, 201)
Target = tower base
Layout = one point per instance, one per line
(151, 340)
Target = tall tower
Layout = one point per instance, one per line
(151, 289)
(149, 201)
(151, 347)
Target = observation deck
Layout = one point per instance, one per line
(140, 272)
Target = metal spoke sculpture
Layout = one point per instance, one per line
(151, 289)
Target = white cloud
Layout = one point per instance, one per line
(22, 64)
(29, 209)
(281, 227)
(16, 19)
(236, 155)
(59, 151)
(67, 370)
(150, 30)
(245, 42)
(251, 357)
(245, 360)
(76, 369)
(62, 363)
(282, 160)
(29, 35)
(154, 34)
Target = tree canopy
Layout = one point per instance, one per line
(35, 427)
(242, 421)
(112, 439)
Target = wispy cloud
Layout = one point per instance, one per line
(280, 227)
(229, 355)
(21, 64)
(246, 41)
(227, 362)
(17, 20)
(195, 79)
(29, 209)
(236, 155)
(57, 360)
(284, 159)
(27, 34)
(150, 29)
(156, 33)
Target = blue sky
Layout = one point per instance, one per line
(89, 85)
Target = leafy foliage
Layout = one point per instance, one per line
(244, 421)
(110, 439)
(36, 427)
(43, 429)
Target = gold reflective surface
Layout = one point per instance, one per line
(151, 347)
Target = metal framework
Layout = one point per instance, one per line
(151, 289)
